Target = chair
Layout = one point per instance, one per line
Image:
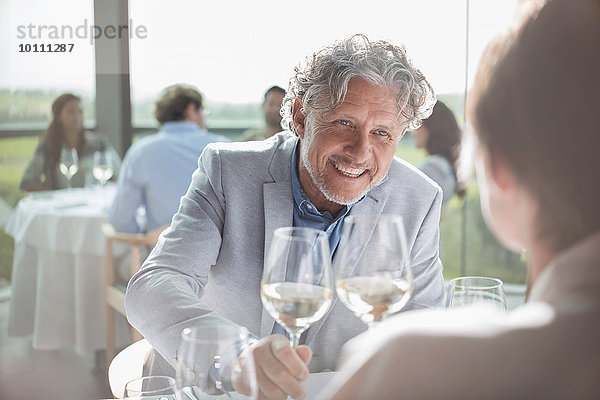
(115, 292)
(129, 364)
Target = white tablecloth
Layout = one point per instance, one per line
(58, 269)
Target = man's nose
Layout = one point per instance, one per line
(359, 148)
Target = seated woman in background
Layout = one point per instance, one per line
(440, 136)
(65, 130)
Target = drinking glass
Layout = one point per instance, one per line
(374, 275)
(207, 364)
(469, 290)
(103, 166)
(157, 387)
(297, 282)
(69, 163)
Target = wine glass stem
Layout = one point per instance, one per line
(294, 339)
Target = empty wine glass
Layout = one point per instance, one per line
(157, 387)
(374, 275)
(103, 166)
(69, 163)
(297, 282)
(470, 290)
(207, 364)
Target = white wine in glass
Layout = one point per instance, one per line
(297, 282)
(69, 163)
(374, 281)
(103, 167)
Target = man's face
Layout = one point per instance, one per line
(271, 107)
(347, 151)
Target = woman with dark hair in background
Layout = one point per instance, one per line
(65, 130)
(440, 136)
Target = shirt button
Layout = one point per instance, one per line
(310, 207)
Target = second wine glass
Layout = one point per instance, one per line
(103, 166)
(297, 282)
(374, 276)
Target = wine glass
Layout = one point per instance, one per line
(297, 282)
(103, 166)
(157, 387)
(207, 364)
(69, 163)
(374, 275)
(468, 290)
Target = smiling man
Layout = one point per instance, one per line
(346, 110)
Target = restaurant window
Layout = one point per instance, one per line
(232, 54)
(34, 70)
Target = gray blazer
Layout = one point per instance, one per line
(207, 267)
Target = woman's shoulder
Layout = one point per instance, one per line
(438, 162)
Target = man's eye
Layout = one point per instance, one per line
(381, 132)
(344, 122)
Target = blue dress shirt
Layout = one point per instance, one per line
(306, 214)
(156, 172)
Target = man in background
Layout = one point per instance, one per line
(270, 106)
(158, 169)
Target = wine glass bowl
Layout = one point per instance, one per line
(69, 163)
(374, 276)
(151, 386)
(469, 290)
(297, 282)
(207, 363)
(103, 166)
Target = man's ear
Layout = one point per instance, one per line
(298, 117)
(189, 112)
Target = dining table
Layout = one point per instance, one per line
(58, 275)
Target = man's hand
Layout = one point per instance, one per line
(280, 369)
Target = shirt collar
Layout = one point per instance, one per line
(179, 126)
(301, 200)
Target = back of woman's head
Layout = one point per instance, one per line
(444, 137)
(536, 102)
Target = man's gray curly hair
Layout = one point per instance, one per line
(322, 82)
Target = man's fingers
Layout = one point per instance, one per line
(275, 360)
(305, 353)
(287, 356)
(268, 390)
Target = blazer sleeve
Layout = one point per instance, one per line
(164, 297)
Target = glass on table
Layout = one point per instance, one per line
(297, 282)
(155, 387)
(207, 364)
(469, 290)
(374, 275)
(103, 166)
(69, 163)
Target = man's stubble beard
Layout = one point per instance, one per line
(319, 180)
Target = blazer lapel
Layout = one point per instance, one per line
(372, 204)
(279, 211)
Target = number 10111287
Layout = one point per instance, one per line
(46, 47)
